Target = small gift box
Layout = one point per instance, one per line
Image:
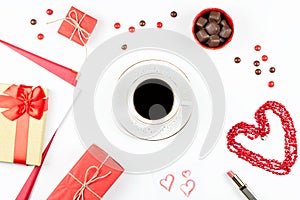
(22, 123)
(90, 178)
(77, 26)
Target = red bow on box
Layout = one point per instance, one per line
(23, 99)
(23, 102)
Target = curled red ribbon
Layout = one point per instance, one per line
(23, 102)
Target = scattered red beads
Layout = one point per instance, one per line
(131, 29)
(117, 25)
(257, 63)
(257, 47)
(40, 36)
(49, 11)
(271, 84)
(159, 24)
(264, 58)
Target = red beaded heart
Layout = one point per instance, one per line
(263, 129)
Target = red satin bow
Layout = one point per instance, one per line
(23, 99)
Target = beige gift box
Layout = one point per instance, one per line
(22, 123)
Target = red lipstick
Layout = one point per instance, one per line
(242, 186)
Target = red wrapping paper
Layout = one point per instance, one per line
(77, 26)
(83, 171)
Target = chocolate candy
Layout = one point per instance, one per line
(214, 16)
(202, 35)
(222, 40)
(201, 22)
(225, 32)
(224, 22)
(213, 41)
(212, 29)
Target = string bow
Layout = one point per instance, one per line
(74, 21)
(79, 195)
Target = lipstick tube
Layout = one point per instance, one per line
(242, 186)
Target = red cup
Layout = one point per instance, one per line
(227, 18)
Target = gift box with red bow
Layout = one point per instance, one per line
(77, 26)
(90, 178)
(22, 123)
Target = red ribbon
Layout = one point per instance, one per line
(23, 102)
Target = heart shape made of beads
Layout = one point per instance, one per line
(262, 130)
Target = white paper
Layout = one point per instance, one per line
(271, 24)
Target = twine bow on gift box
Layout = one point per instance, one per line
(82, 33)
(23, 102)
(74, 21)
(79, 195)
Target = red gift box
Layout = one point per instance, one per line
(90, 178)
(77, 26)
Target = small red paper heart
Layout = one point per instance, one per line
(186, 173)
(167, 182)
(188, 187)
(263, 129)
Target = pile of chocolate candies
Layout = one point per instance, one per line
(212, 29)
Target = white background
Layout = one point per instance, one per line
(272, 24)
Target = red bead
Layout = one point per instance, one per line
(49, 11)
(40, 36)
(257, 47)
(271, 84)
(131, 29)
(264, 58)
(159, 24)
(117, 25)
